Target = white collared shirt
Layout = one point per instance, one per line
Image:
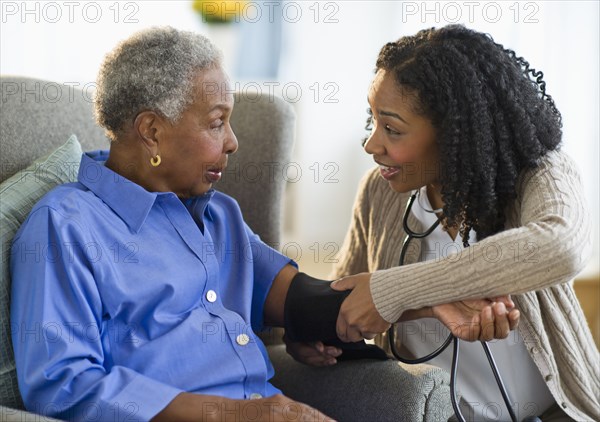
(481, 398)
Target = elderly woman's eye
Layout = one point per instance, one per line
(217, 124)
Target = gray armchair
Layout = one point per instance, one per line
(37, 116)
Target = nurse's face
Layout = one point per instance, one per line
(402, 142)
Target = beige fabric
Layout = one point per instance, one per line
(547, 241)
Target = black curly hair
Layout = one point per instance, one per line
(491, 113)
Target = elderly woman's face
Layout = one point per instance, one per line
(194, 150)
(401, 141)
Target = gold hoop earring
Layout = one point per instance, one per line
(155, 161)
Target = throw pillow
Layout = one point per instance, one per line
(18, 195)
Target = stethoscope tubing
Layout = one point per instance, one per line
(451, 338)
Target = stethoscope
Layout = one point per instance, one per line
(451, 338)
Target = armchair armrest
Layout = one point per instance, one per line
(366, 389)
(14, 415)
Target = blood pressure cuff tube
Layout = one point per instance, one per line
(310, 314)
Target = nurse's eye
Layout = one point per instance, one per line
(368, 125)
(391, 131)
(370, 118)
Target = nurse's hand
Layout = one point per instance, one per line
(358, 317)
(468, 320)
(483, 319)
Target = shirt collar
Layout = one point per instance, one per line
(422, 209)
(425, 215)
(128, 200)
(198, 205)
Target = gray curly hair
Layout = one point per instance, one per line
(154, 69)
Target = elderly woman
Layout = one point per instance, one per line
(161, 316)
(163, 327)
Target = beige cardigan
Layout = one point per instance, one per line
(547, 241)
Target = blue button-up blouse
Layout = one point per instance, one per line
(123, 298)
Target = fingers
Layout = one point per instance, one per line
(314, 354)
(353, 332)
(332, 351)
(328, 355)
(502, 324)
(497, 322)
(368, 335)
(358, 317)
(508, 302)
(347, 333)
(281, 408)
(487, 324)
(320, 361)
(341, 326)
(514, 316)
(345, 283)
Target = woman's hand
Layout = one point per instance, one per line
(198, 407)
(278, 408)
(468, 320)
(358, 317)
(479, 319)
(314, 354)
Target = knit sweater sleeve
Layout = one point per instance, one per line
(549, 243)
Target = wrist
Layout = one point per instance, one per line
(411, 314)
(436, 312)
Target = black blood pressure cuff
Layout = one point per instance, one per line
(310, 314)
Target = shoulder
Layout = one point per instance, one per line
(556, 170)
(554, 161)
(63, 197)
(61, 207)
(558, 160)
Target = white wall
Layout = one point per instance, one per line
(334, 45)
(558, 37)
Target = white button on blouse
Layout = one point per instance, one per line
(211, 296)
(242, 339)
